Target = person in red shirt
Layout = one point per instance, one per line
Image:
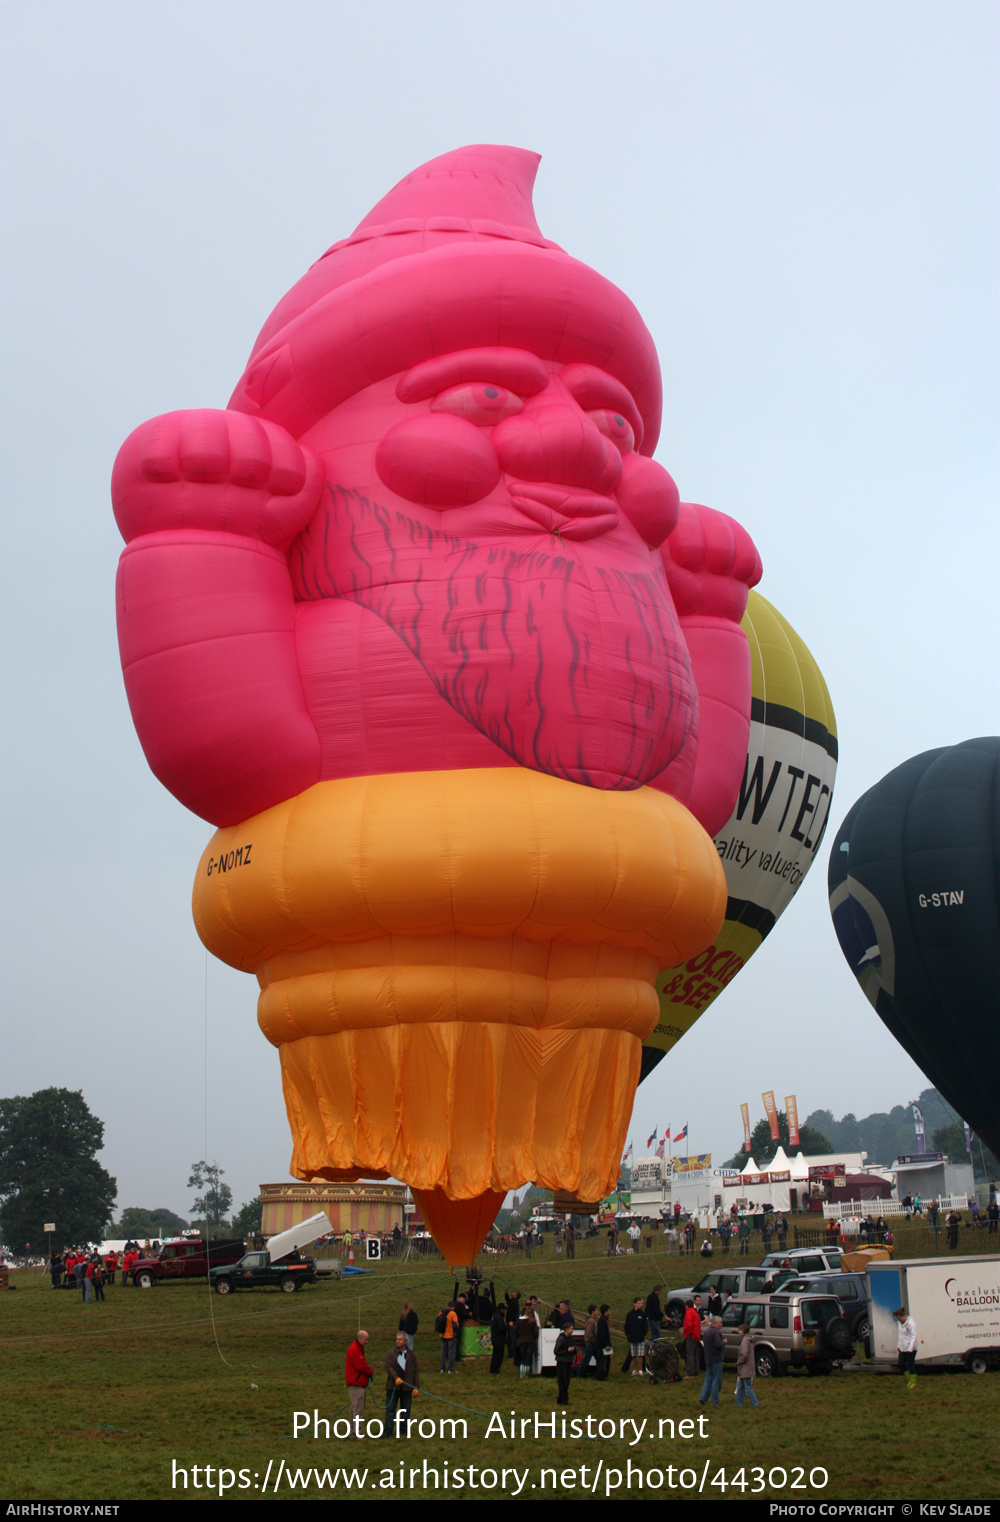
(358, 1371)
(691, 1332)
(111, 1266)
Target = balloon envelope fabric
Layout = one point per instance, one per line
(914, 883)
(422, 583)
(770, 841)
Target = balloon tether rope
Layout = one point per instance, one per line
(211, 1301)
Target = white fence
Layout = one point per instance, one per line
(887, 1208)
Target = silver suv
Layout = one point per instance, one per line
(738, 1281)
(798, 1330)
(805, 1260)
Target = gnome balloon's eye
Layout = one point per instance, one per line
(482, 404)
(617, 428)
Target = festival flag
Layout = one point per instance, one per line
(968, 1136)
(792, 1111)
(771, 1111)
(659, 1150)
(745, 1112)
(651, 1139)
(681, 1135)
(666, 1134)
(626, 1155)
(918, 1126)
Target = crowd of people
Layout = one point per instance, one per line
(88, 1271)
(515, 1331)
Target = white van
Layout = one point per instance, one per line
(955, 1303)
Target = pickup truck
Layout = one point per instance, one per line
(255, 1270)
(186, 1258)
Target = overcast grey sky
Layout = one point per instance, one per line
(802, 201)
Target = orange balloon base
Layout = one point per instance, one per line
(458, 970)
(458, 1226)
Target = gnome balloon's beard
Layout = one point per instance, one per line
(507, 633)
(418, 619)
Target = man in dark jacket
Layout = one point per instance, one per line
(637, 1330)
(565, 1351)
(654, 1312)
(714, 1344)
(402, 1377)
(512, 1305)
(408, 1322)
(498, 1337)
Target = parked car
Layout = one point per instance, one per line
(186, 1258)
(850, 1289)
(800, 1330)
(806, 1260)
(738, 1281)
(256, 1271)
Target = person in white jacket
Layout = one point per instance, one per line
(906, 1343)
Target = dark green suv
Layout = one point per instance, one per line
(256, 1271)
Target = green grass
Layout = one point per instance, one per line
(99, 1399)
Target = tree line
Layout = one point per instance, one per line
(49, 1174)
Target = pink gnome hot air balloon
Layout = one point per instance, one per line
(420, 625)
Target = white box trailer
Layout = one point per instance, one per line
(955, 1303)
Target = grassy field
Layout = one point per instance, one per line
(100, 1401)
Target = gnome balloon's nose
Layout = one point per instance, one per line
(554, 440)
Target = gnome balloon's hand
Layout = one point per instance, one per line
(215, 470)
(711, 562)
(207, 502)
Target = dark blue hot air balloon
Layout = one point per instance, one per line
(914, 885)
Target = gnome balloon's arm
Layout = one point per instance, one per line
(711, 562)
(208, 502)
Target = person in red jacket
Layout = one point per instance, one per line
(691, 1333)
(357, 1374)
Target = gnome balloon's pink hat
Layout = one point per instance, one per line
(451, 258)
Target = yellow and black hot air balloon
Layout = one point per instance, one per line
(771, 839)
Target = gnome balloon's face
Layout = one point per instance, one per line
(481, 503)
(501, 443)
